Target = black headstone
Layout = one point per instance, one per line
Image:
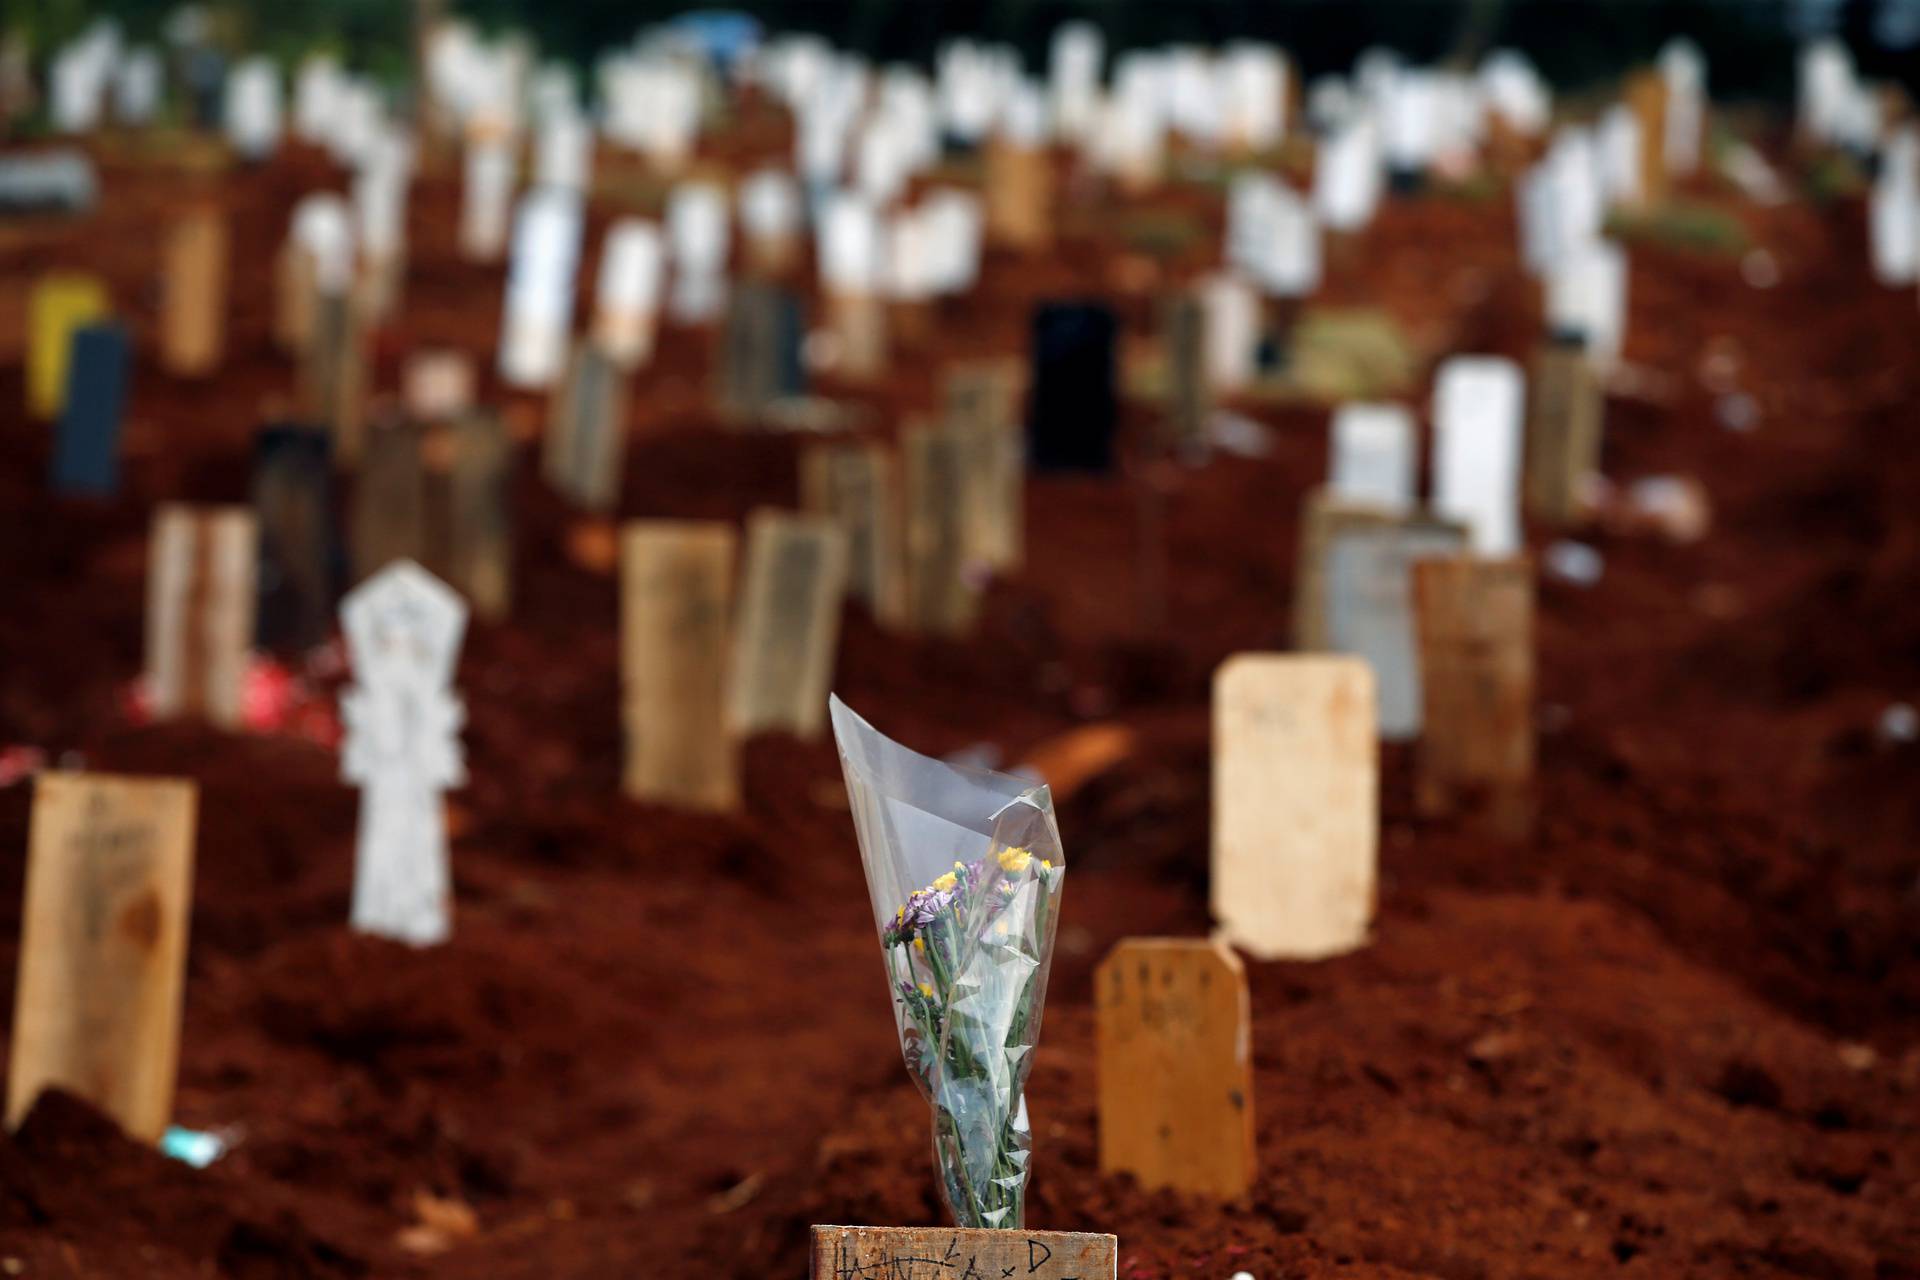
(1073, 409)
(86, 453)
(299, 549)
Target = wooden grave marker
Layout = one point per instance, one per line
(760, 341)
(201, 581)
(587, 432)
(296, 295)
(1322, 516)
(293, 503)
(479, 522)
(853, 484)
(60, 306)
(1189, 397)
(908, 1253)
(1175, 1042)
(333, 375)
(1369, 605)
(788, 631)
(193, 322)
(389, 518)
(86, 453)
(1295, 803)
(980, 402)
(676, 604)
(1019, 195)
(103, 946)
(1646, 96)
(942, 594)
(1475, 622)
(1563, 431)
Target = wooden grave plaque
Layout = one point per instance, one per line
(1369, 603)
(193, 322)
(479, 522)
(103, 946)
(980, 401)
(1019, 195)
(1563, 431)
(1189, 398)
(587, 432)
(789, 625)
(759, 354)
(295, 297)
(853, 485)
(1296, 798)
(389, 518)
(201, 581)
(676, 603)
(957, 1253)
(942, 594)
(859, 322)
(1475, 622)
(1176, 1066)
(333, 375)
(1646, 95)
(60, 306)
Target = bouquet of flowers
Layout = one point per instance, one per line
(964, 870)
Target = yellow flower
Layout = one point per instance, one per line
(1046, 864)
(1015, 861)
(919, 944)
(946, 882)
(926, 989)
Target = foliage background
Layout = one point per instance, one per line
(1749, 43)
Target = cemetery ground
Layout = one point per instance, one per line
(1676, 1032)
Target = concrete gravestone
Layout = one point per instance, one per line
(402, 724)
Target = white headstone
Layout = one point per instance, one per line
(137, 87)
(769, 205)
(1073, 73)
(1685, 71)
(1256, 95)
(402, 746)
(1232, 330)
(486, 195)
(852, 258)
(1586, 293)
(323, 229)
(563, 157)
(1346, 182)
(538, 315)
(1620, 144)
(253, 108)
(697, 227)
(627, 298)
(1478, 403)
(1372, 457)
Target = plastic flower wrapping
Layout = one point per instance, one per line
(964, 870)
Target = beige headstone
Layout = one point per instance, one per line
(193, 322)
(942, 594)
(1296, 798)
(1563, 432)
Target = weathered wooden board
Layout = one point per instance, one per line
(193, 322)
(676, 603)
(389, 518)
(853, 484)
(1563, 431)
(1176, 1066)
(1019, 195)
(789, 625)
(201, 588)
(953, 1253)
(981, 403)
(587, 433)
(943, 595)
(103, 946)
(479, 521)
(1296, 797)
(333, 375)
(1475, 620)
